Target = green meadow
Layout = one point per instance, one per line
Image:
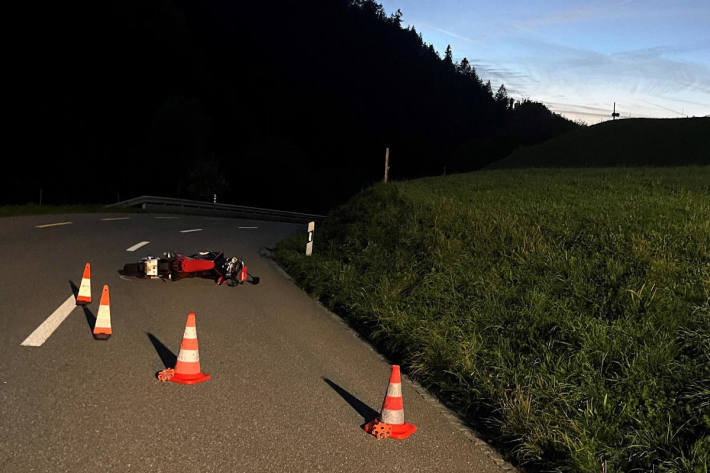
(564, 313)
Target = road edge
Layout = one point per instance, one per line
(452, 416)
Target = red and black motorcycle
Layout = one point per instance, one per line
(206, 264)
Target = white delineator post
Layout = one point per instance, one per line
(309, 245)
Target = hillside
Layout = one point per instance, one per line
(629, 142)
(565, 312)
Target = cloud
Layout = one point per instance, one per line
(669, 77)
(582, 84)
(610, 10)
(634, 73)
(664, 108)
(498, 71)
(449, 33)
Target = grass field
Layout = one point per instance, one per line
(564, 313)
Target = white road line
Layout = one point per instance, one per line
(191, 230)
(137, 245)
(111, 219)
(46, 328)
(166, 218)
(52, 224)
(248, 227)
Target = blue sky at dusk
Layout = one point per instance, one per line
(652, 57)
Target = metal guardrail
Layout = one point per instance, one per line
(173, 205)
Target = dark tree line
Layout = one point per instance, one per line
(284, 103)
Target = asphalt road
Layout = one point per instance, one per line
(291, 384)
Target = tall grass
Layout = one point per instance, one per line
(564, 312)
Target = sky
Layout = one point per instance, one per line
(651, 57)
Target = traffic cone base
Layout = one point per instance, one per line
(190, 379)
(103, 335)
(402, 431)
(393, 431)
(187, 368)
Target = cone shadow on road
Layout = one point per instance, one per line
(90, 318)
(74, 288)
(166, 356)
(367, 413)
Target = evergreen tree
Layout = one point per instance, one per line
(501, 96)
(464, 67)
(396, 18)
(448, 57)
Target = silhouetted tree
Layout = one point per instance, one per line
(448, 57)
(464, 67)
(502, 95)
(396, 18)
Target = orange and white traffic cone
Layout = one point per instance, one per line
(102, 328)
(391, 422)
(84, 296)
(187, 369)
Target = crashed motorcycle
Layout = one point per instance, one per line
(206, 264)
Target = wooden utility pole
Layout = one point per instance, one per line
(387, 163)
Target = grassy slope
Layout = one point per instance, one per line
(566, 312)
(630, 142)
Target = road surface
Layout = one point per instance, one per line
(291, 384)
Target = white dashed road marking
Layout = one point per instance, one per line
(137, 245)
(43, 332)
(191, 230)
(248, 227)
(111, 219)
(52, 224)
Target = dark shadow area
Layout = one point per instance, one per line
(191, 111)
(130, 269)
(367, 413)
(90, 318)
(74, 289)
(166, 356)
(265, 252)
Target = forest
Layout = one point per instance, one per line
(284, 104)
